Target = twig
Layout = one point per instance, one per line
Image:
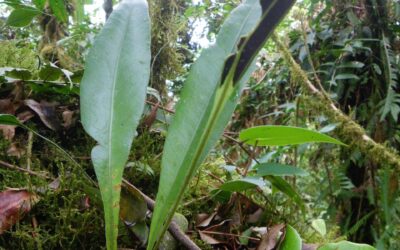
(229, 234)
(174, 229)
(29, 151)
(22, 170)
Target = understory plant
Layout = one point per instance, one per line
(117, 70)
(113, 92)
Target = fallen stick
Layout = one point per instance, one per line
(22, 170)
(174, 229)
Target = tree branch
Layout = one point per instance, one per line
(350, 131)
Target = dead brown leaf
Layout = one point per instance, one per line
(14, 204)
(205, 222)
(7, 107)
(208, 239)
(309, 246)
(46, 112)
(15, 150)
(256, 216)
(8, 131)
(270, 238)
(25, 116)
(68, 118)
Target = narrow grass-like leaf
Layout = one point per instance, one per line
(208, 101)
(283, 135)
(283, 186)
(276, 169)
(242, 184)
(113, 91)
(6, 119)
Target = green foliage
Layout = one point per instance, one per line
(390, 65)
(283, 135)
(112, 115)
(292, 240)
(22, 16)
(345, 245)
(207, 102)
(59, 10)
(242, 184)
(276, 169)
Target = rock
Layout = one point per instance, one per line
(169, 242)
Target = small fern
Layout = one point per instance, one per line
(359, 224)
(391, 104)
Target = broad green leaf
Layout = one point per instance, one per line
(208, 100)
(50, 73)
(39, 4)
(59, 10)
(133, 212)
(283, 135)
(345, 245)
(292, 240)
(16, 73)
(319, 226)
(276, 169)
(113, 91)
(22, 16)
(280, 184)
(242, 184)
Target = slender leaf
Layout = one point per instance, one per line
(9, 120)
(276, 169)
(347, 77)
(283, 135)
(242, 184)
(113, 91)
(280, 184)
(22, 16)
(208, 100)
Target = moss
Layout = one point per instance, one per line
(17, 55)
(167, 24)
(349, 131)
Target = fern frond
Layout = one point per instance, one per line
(391, 104)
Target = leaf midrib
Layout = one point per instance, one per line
(206, 134)
(112, 99)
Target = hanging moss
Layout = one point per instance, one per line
(349, 131)
(167, 24)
